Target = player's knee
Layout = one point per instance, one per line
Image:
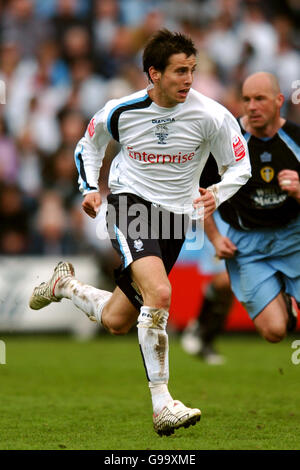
(274, 333)
(115, 324)
(117, 327)
(162, 296)
(119, 330)
(221, 283)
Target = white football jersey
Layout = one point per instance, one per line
(164, 150)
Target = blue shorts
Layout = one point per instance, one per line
(267, 261)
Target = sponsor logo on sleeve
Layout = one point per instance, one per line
(238, 148)
(91, 128)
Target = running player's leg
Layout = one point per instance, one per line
(264, 276)
(119, 314)
(143, 278)
(261, 289)
(152, 322)
(153, 339)
(216, 305)
(150, 275)
(199, 336)
(272, 321)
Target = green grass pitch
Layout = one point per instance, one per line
(58, 393)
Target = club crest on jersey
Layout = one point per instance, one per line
(265, 157)
(138, 245)
(161, 132)
(267, 173)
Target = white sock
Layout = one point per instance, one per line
(160, 396)
(87, 298)
(154, 346)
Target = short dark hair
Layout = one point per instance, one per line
(162, 45)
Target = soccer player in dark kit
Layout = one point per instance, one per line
(263, 259)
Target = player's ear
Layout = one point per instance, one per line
(154, 74)
(280, 99)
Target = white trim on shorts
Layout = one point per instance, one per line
(124, 247)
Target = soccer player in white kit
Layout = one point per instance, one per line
(166, 133)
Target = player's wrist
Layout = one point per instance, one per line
(214, 191)
(90, 191)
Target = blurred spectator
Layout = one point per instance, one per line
(105, 22)
(76, 44)
(287, 61)
(52, 235)
(68, 14)
(222, 45)
(49, 8)
(14, 220)
(50, 85)
(128, 42)
(153, 21)
(231, 99)
(17, 75)
(9, 59)
(29, 175)
(131, 78)
(9, 161)
(20, 24)
(52, 70)
(89, 90)
(110, 63)
(72, 126)
(60, 175)
(179, 12)
(206, 79)
(133, 12)
(258, 38)
(45, 8)
(41, 122)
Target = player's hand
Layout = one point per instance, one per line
(206, 200)
(224, 247)
(91, 204)
(288, 181)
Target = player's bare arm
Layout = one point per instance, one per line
(91, 204)
(223, 245)
(288, 180)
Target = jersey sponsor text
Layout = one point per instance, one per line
(160, 158)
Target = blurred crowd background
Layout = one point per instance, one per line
(61, 60)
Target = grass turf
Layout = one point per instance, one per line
(57, 393)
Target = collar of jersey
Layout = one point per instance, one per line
(161, 109)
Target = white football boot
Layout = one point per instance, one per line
(44, 293)
(173, 416)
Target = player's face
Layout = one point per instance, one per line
(261, 103)
(173, 84)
